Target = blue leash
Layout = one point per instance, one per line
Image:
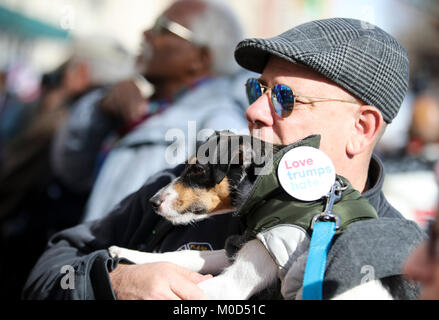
(321, 239)
(324, 227)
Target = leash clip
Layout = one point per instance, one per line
(327, 216)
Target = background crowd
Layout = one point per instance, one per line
(78, 118)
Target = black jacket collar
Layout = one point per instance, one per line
(374, 192)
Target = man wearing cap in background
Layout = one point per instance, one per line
(340, 78)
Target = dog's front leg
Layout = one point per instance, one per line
(252, 271)
(204, 262)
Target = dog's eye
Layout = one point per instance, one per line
(197, 169)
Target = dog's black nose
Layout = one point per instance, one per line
(155, 201)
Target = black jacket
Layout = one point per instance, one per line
(133, 224)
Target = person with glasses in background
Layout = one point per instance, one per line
(342, 79)
(116, 140)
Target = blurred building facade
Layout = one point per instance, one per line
(413, 22)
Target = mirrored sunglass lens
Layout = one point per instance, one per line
(253, 89)
(283, 100)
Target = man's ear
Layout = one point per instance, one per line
(366, 130)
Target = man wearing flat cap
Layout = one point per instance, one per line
(335, 78)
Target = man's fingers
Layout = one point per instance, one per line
(171, 295)
(197, 278)
(201, 278)
(194, 277)
(187, 290)
(157, 281)
(185, 285)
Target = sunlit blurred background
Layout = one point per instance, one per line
(40, 33)
(37, 37)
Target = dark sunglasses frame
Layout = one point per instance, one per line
(282, 97)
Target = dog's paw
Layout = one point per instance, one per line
(114, 251)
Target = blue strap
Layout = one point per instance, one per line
(321, 239)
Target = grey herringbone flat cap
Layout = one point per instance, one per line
(358, 56)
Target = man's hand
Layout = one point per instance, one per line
(156, 281)
(125, 102)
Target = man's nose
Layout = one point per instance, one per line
(259, 112)
(419, 266)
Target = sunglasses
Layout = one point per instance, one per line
(282, 96)
(163, 24)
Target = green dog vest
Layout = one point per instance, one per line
(269, 205)
(283, 223)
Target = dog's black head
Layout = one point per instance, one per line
(216, 180)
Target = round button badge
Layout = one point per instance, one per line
(306, 173)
